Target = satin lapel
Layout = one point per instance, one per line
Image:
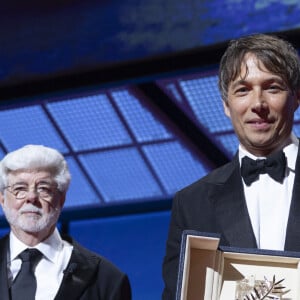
(76, 281)
(292, 242)
(231, 210)
(4, 295)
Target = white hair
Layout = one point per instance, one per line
(36, 157)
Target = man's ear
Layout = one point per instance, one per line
(226, 108)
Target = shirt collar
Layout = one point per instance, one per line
(290, 151)
(49, 247)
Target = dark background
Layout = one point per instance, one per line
(51, 51)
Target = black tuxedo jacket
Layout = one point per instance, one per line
(216, 204)
(88, 277)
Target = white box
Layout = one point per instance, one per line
(210, 272)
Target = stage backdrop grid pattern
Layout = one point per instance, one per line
(89, 123)
(162, 159)
(119, 147)
(144, 124)
(28, 125)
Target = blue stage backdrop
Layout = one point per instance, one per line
(103, 133)
(46, 38)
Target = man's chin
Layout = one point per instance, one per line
(33, 227)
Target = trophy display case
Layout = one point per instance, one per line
(211, 272)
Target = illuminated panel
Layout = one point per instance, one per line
(230, 141)
(89, 122)
(28, 125)
(80, 192)
(121, 175)
(199, 98)
(175, 165)
(204, 98)
(119, 147)
(144, 123)
(171, 89)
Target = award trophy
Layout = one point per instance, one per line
(252, 289)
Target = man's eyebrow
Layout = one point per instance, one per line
(277, 79)
(20, 183)
(238, 82)
(45, 181)
(42, 181)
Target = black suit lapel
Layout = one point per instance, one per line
(231, 209)
(79, 273)
(292, 241)
(4, 292)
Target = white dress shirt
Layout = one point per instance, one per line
(49, 271)
(268, 201)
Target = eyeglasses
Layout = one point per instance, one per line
(43, 191)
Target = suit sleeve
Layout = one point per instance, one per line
(171, 259)
(122, 290)
(192, 209)
(114, 284)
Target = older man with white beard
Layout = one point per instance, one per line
(35, 262)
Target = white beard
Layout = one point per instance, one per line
(31, 223)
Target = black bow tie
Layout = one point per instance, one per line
(274, 165)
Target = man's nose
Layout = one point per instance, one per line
(32, 195)
(259, 102)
